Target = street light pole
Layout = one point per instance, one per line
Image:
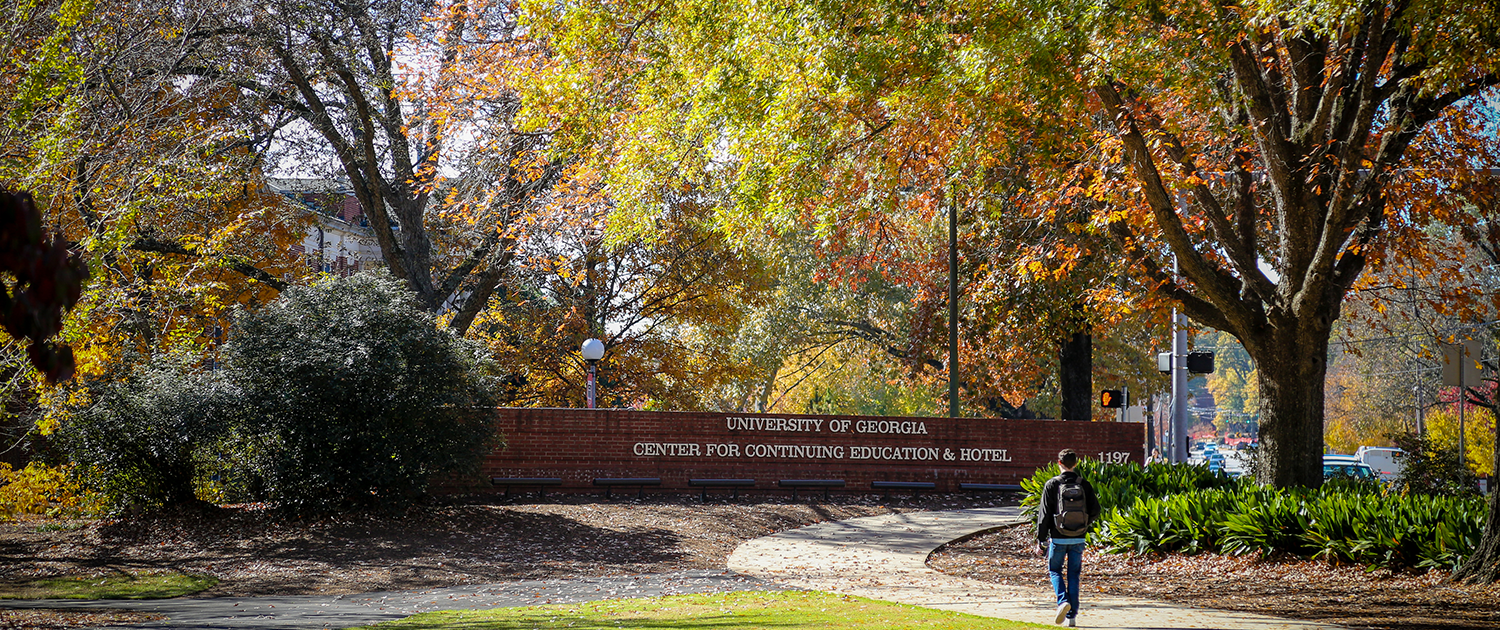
(592, 350)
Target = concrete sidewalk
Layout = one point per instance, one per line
(885, 558)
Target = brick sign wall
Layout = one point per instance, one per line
(579, 445)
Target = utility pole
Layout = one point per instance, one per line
(952, 305)
(1463, 397)
(1151, 424)
(1179, 447)
(1417, 390)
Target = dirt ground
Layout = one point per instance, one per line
(1299, 589)
(253, 551)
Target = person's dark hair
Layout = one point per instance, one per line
(1067, 457)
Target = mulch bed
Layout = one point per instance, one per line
(69, 619)
(1298, 589)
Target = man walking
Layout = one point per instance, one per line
(1069, 506)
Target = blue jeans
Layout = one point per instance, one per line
(1074, 555)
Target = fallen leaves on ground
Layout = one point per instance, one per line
(66, 619)
(254, 551)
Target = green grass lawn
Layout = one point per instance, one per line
(152, 585)
(786, 610)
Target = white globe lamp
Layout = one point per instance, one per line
(592, 350)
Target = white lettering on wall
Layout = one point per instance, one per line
(814, 425)
(891, 426)
(723, 450)
(794, 451)
(819, 451)
(894, 452)
(983, 455)
(735, 423)
(668, 449)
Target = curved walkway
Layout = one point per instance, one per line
(885, 558)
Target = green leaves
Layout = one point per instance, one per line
(355, 396)
(1183, 509)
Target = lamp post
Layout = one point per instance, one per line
(592, 350)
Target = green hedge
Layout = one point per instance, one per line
(1186, 509)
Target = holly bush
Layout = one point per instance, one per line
(135, 440)
(354, 396)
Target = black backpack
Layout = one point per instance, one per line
(1072, 518)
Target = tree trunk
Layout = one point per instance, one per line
(1291, 366)
(1076, 378)
(1484, 566)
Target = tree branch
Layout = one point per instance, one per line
(160, 245)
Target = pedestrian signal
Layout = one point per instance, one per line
(1111, 399)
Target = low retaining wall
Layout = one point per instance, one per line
(579, 445)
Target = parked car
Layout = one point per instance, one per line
(1385, 461)
(1345, 466)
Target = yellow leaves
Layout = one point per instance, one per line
(42, 490)
(1479, 434)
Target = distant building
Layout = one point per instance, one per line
(341, 242)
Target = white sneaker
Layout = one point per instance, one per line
(1069, 622)
(1062, 612)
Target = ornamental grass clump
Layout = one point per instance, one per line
(1183, 509)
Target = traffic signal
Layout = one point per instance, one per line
(1111, 399)
(1200, 362)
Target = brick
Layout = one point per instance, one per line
(578, 445)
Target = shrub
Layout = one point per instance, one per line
(1178, 509)
(135, 444)
(1122, 484)
(1264, 521)
(224, 473)
(42, 489)
(356, 397)
(1432, 468)
(1185, 523)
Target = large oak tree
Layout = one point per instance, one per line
(1276, 151)
(1281, 163)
